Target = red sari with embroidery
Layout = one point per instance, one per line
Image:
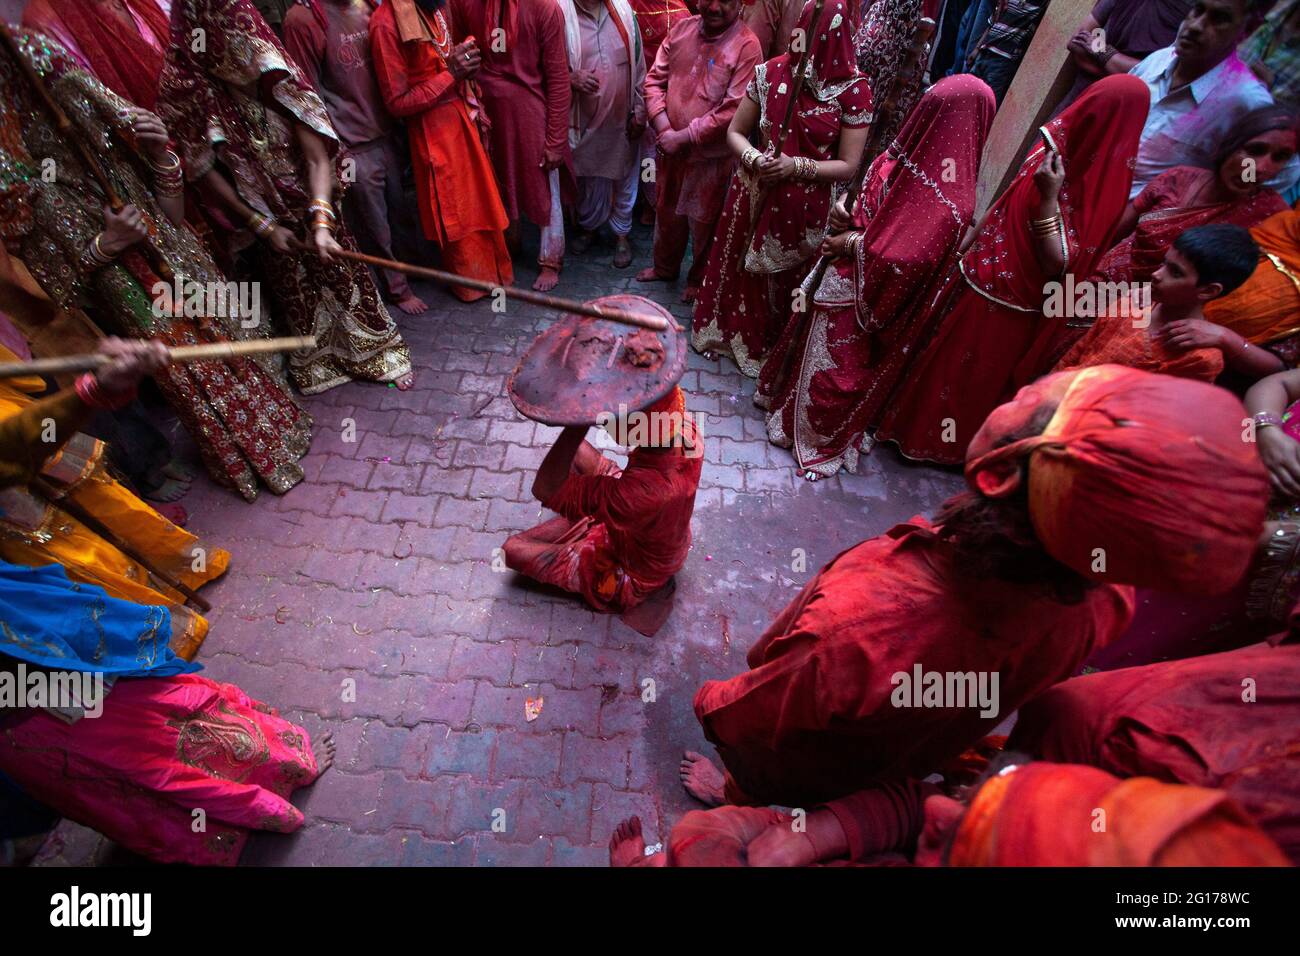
(994, 338)
(768, 238)
(829, 375)
(231, 104)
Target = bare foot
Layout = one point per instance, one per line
(323, 750)
(627, 845)
(649, 275)
(405, 382)
(547, 279)
(179, 470)
(702, 779)
(412, 304)
(169, 491)
(622, 252)
(691, 293)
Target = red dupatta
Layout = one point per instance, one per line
(121, 59)
(791, 216)
(928, 201)
(1097, 137)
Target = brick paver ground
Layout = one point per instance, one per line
(378, 570)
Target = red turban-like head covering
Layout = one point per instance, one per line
(1137, 478)
(1047, 814)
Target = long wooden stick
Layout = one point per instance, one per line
(215, 351)
(48, 492)
(655, 322)
(88, 158)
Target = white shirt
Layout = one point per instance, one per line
(1186, 126)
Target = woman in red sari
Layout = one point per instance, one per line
(827, 379)
(1057, 218)
(256, 136)
(777, 208)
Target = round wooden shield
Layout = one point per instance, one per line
(581, 367)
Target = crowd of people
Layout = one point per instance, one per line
(1082, 348)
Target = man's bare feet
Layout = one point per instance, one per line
(412, 304)
(702, 779)
(627, 845)
(169, 491)
(405, 382)
(649, 275)
(622, 252)
(690, 294)
(323, 750)
(547, 279)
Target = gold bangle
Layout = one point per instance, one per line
(172, 167)
(99, 250)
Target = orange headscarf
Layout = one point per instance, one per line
(1137, 479)
(1045, 814)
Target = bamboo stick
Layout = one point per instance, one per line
(655, 323)
(52, 496)
(215, 351)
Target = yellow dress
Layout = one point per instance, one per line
(34, 531)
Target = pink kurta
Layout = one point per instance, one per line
(525, 92)
(698, 82)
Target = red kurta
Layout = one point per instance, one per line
(813, 720)
(1189, 721)
(642, 519)
(525, 93)
(459, 204)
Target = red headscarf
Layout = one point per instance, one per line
(1137, 479)
(1044, 814)
(831, 60)
(1097, 137)
(929, 202)
(123, 60)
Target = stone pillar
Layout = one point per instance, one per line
(1045, 76)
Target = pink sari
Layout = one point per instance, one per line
(827, 379)
(768, 238)
(163, 748)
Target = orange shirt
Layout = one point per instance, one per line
(453, 179)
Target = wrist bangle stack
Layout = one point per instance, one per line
(322, 215)
(262, 226)
(749, 157)
(169, 180)
(1265, 419)
(93, 257)
(94, 395)
(805, 168)
(1047, 227)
